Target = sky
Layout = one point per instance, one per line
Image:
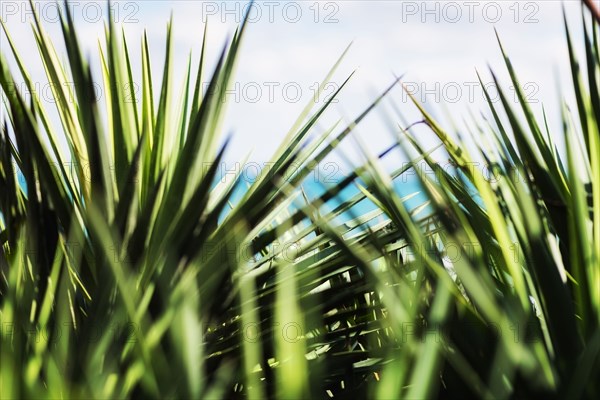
(437, 46)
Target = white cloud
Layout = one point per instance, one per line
(387, 36)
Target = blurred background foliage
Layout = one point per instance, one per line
(135, 273)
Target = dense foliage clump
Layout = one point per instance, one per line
(122, 276)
